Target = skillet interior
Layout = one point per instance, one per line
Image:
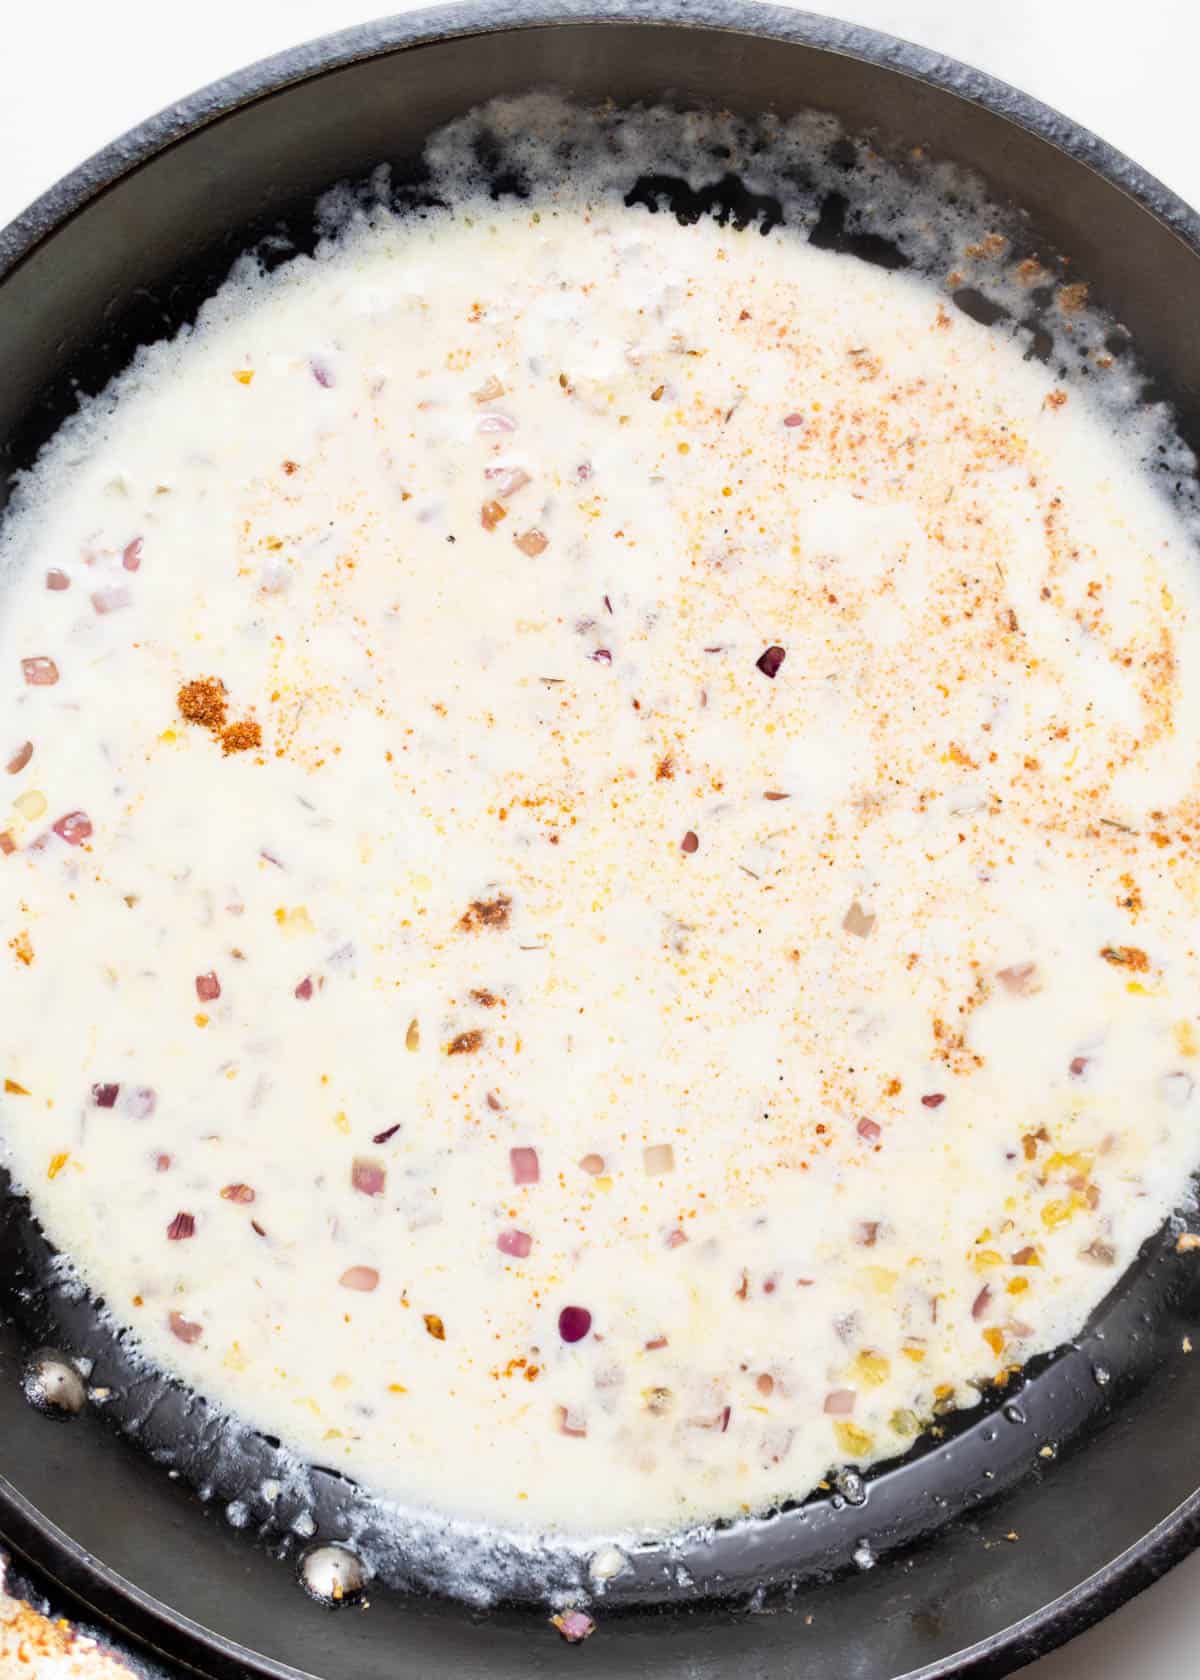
(132, 264)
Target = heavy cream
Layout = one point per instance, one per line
(599, 870)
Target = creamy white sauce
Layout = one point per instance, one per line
(866, 989)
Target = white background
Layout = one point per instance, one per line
(74, 74)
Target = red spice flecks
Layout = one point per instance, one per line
(74, 828)
(240, 1193)
(934, 1100)
(181, 1228)
(387, 1134)
(57, 579)
(362, 1278)
(40, 671)
(524, 1164)
(574, 1323)
(368, 1177)
(208, 987)
(131, 555)
(769, 661)
(184, 1328)
(518, 1244)
(305, 989)
(104, 1096)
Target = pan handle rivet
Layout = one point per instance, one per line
(332, 1574)
(52, 1385)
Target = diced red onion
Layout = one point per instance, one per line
(104, 1096)
(982, 1302)
(40, 671)
(141, 1101)
(793, 419)
(208, 987)
(20, 759)
(240, 1193)
(111, 599)
(690, 842)
(841, 1402)
(321, 374)
(934, 1100)
(362, 1278)
(386, 1135)
(184, 1328)
(368, 1177)
(866, 1233)
(870, 1130)
(592, 1164)
(770, 660)
(74, 828)
(1079, 1065)
(574, 1625)
(601, 656)
(508, 480)
(181, 1228)
(162, 1162)
(574, 1323)
(654, 1345)
(257, 1228)
(516, 1243)
(56, 579)
(7, 844)
(495, 422)
(1021, 979)
(524, 1164)
(659, 1158)
(131, 555)
(570, 1423)
(676, 1238)
(719, 1420)
(305, 989)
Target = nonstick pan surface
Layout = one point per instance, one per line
(984, 1551)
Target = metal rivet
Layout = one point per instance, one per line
(332, 1575)
(52, 1385)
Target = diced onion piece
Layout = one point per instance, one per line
(362, 1278)
(20, 759)
(574, 1625)
(840, 1402)
(305, 989)
(181, 1228)
(659, 1158)
(184, 1328)
(57, 580)
(208, 987)
(574, 1323)
(515, 1243)
(592, 1164)
(111, 600)
(141, 1101)
(508, 480)
(495, 422)
(74, 828)
(240, 1193)
(104, 1096)
(131, 555)
(982, 1302)
(40, 671)
(524, 1164)
(368, 1177)
(570, 1423)
(532, 542)
(870, 1130)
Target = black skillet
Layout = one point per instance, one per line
(987, 1552)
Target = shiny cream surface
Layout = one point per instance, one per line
(665, 952)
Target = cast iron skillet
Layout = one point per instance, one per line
(987, 1553)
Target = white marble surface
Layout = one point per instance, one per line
(73, 74)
